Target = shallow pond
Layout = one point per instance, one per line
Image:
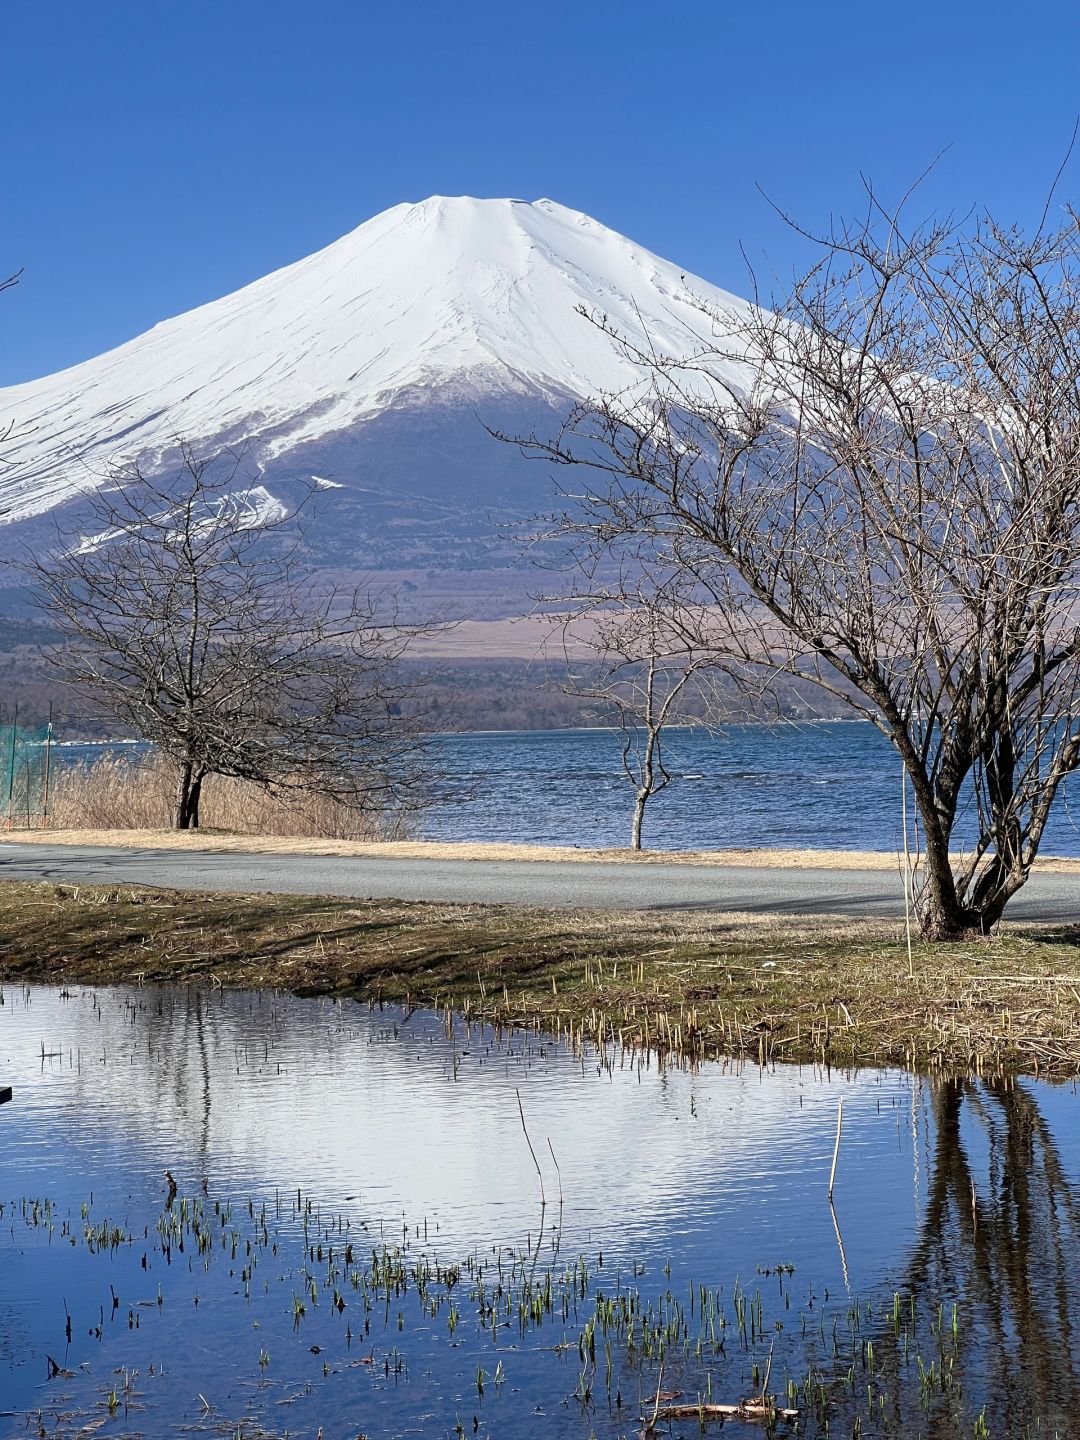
(357, 1239)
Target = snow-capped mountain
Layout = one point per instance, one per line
(371, 365)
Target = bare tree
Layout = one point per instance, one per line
(627, 656)
(876, 484)
(190, 614)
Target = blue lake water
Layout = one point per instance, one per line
(832, 785)
(829, 785)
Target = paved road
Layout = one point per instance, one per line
(614, 887)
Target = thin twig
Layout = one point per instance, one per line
(836, 1147)
(532, 1152)
(558, 1172)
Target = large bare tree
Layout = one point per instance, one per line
(876, 483)
(190, 614)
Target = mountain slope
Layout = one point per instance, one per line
(460, 303)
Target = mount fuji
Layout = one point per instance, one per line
(371, 368)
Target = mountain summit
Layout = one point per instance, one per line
(371, 363)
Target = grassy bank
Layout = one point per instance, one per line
(825, 990)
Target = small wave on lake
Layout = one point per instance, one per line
(831, 785)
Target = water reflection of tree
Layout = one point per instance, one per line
(999, 1237)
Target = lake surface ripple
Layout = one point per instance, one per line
(828, 785)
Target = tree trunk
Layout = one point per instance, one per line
(640, 801)
(194, 797)
(995, 886)
(188, 793)
(183, 790)
(941, 915)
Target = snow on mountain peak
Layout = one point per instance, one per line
(478, 295)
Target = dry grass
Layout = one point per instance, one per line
(118, 795)
(821, 990)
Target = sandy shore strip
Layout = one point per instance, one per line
(217, 840)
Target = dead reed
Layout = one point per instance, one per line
(120, 793)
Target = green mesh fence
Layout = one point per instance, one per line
(26, 756)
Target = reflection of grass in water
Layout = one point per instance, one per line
(862, 1365)
(681, 984)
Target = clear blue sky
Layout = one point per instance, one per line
(158, 154)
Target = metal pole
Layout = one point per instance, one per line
(48, 767)
(11, 772)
